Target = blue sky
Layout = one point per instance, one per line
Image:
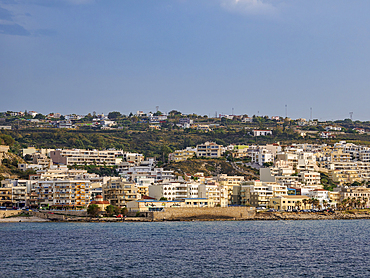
(195, 56)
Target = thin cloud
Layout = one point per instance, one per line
(249, 7)
(13, 29)
(8, 26)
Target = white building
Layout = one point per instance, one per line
(260, 132)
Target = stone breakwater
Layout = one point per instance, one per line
(338, 215)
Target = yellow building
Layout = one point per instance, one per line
(240, 151)
(142, 189)
(230, 182)
(182, 155)
(345, 176)
(289, 202)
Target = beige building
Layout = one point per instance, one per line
(361, 194)
(86, 157)
(230, 182)
(209, 149)
(257, 193)
(289, 202)
(6, 197)
(182, 155)
(63, 192)
(119, 192)
(155, 205)
(213, 190)
(309, 178)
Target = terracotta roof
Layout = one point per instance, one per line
(100, 203)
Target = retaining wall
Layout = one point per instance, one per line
(237, 213)
(46, 215)
(71, 212)
(7, 213)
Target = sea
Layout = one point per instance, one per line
(333, 248)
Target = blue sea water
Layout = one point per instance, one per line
(186, 249)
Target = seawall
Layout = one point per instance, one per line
(7, 213)
(186, 214)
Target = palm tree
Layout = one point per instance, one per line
(365, 201)
(298, 204)
(305, 203)
(325, 204)
(316, 203)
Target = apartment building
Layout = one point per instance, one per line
(212, 190)
(133, 158)
(174, 190)
(86, 157)
(358, 193)
(209, 149)
(230, 182)
(6, 199)
(261, 156)
(182, 155)
(118, 192)
(289, 202)
(309, 178)
(257, 193)
(66, 192)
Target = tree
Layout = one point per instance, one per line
(114, 115)
(40, 116)
(163, 199)
(110, 210)
(93, 210)
(298, 204)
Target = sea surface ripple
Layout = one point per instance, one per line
(336, 248)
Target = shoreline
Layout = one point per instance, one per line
(261, 216)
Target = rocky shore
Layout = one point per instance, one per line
(260, 216)
(338, 215)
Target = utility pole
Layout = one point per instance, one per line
(311, 113)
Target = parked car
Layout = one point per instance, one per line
(119, 216)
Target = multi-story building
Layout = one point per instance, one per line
(182, 155)
(230, 182)
(218, 193)
(6, 197)
(289, 202)
(86, 157)
(133, 158)
(359, 193)
(118, 192)
(209, 149)
(66, 192)
(173, 190)
(309, 178)
(257, 193)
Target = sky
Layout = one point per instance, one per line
(254, 57)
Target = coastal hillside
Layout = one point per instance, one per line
(210, 167)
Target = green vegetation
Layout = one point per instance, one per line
(327, 182)
(93, 210)
(209, 167)
(112, 210)
(11, 167)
